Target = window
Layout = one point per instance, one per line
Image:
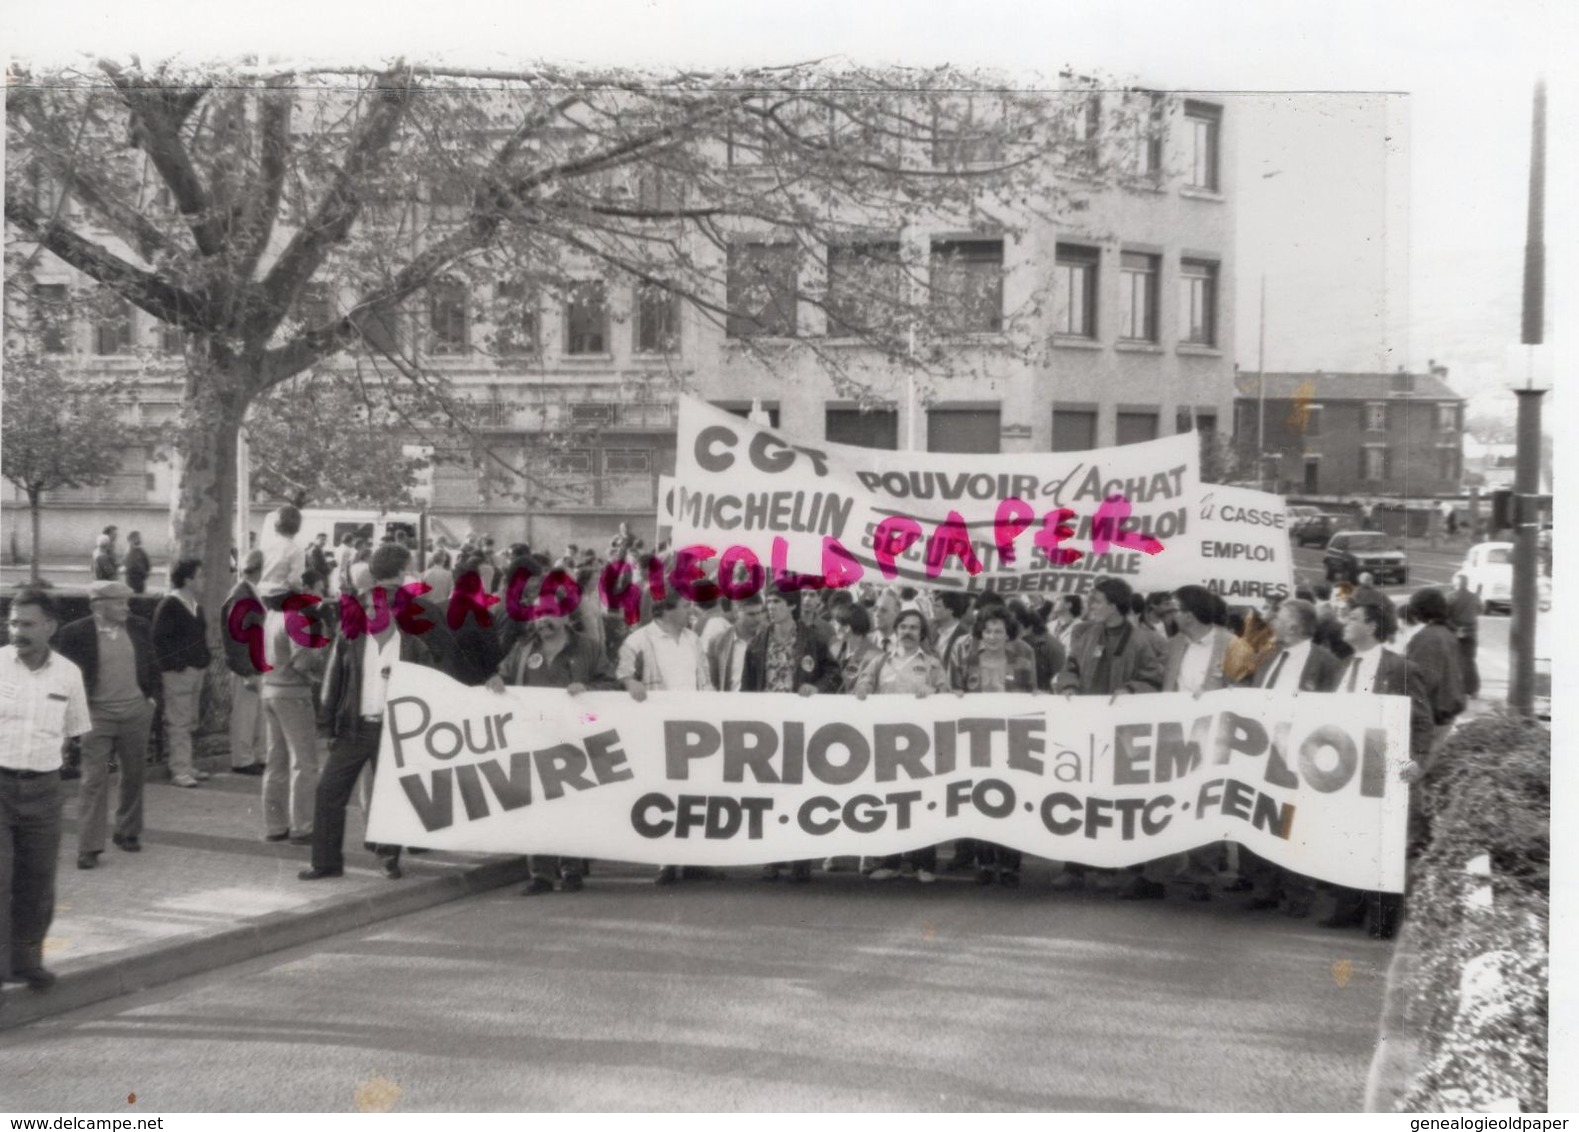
(1373, 463)
(743, 410)
(1312, 474)
(449, 202)
(1198, 302)
(745, 150)
(1313, 415)
(1138, 297)
(964, 430)
(1447, 417)
(1145, 157)
(48, 195)
(515, 318)
(112, 331)
(873, 428)
(863, 280)
(1447, 462)
(172, 339)
(1074, 430)
(51, 308)
(627, 461)
(1075, 291)
(967, 130)
(658, 190)
(1085, 130)
(570, 464)
(761, 291)
(448, 316)
(587, 320)
(1376, 416)
(967, 286)
(1202, 123)
(1136, 426)
(657, 320)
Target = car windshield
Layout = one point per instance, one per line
(1370, 541)
(1500, 555)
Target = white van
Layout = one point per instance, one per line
(371, 525)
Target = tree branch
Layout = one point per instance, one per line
(146, 289)
(331, 222)
(262, 204)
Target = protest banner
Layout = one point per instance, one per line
(1310, 782)
(1041, 522)
(1237, 546)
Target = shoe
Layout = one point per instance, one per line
(391, 868)
(128, 844)
(275, 836)
(984, 876)
(1009, 880)
(800, 872)
(252, 769)
(201, 775)
(316, 873)
(36, 978)
(883, 874)
(770, 872)
(537, 886)
(570, 883)
(1068, 882)
(666, 875)
(300, 839)
(925, 876)
(185, 780)
(1142, 889)
(87, 860)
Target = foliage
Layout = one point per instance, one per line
(1485, 1035)
(335, 444)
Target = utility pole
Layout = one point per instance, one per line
(1261, 372)
(1527, 476)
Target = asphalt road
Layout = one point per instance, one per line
(736, 995)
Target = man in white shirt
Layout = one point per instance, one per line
(726, 655)
(284, 559)
(42, 704)
(1300, 665)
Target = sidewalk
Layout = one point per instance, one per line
(207, 891)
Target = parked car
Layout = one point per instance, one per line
(1352, 553)
(1488, 567)
(1315, 530)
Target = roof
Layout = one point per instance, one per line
(1319, 386)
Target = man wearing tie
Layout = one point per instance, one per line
(1367, 625)
(726, 654)
(1297, 665)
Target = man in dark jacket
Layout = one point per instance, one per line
(137, 565)
(788, 656)
(1110, 658)
(351, 713)
(116, 656)
(550, 654)
(240, 622)
(180, 639)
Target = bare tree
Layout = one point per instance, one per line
(279, 216)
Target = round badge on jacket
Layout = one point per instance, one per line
(807, 664)
(535, 660)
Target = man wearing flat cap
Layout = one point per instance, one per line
(115, 653)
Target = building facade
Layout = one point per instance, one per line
(1338, 436)
(1128, 301)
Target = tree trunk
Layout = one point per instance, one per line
(37, 520)
(205, 505)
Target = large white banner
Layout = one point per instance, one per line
(1237, 546)
(1307, 781)
(1039, 523)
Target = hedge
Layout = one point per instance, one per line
(1477, 995)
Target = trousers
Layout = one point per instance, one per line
(124, 732)
(347, 756)
(182, 691)
(29, 848)
(292, 768)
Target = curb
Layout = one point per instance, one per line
(156, 964)
(1397, 1051)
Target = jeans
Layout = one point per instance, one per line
(347, 756)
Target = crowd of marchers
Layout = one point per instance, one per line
(309, 718)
